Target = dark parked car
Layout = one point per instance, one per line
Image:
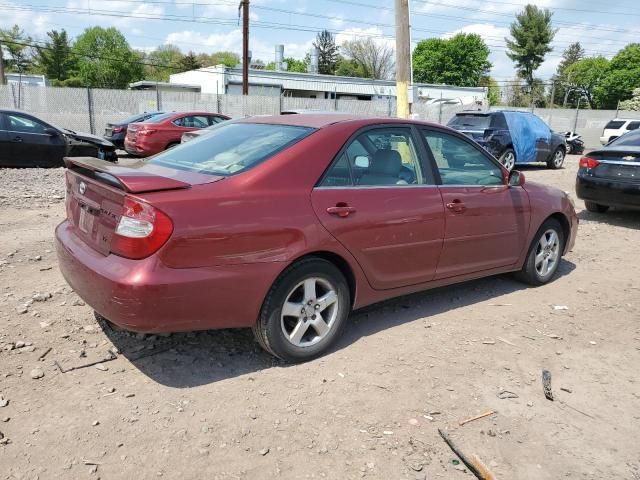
(115, 132)
(610, 177)
(514, 138)
(287, 223)
(27, 141)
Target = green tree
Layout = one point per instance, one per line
(348, 68)
(17, 44)
(562, 81)
(632, 104)
(532, 34)
(105, 59)
(229, 59)
(293, 65)
(493, 90)
(375, 60)
(162, 62)
(325, 42)
(55, 59)
(460, 60)
(623, 76)
(189, 62)
(586, 75)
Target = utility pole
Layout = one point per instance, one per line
(553, 92)
(403, 57)
(2, 79)
(244, 4)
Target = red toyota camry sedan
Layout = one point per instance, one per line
(286, 224)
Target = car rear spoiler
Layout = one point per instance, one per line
(127, 178)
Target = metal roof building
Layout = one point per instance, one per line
(221, 79)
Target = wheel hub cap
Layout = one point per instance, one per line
(547, 253)
(309, 312)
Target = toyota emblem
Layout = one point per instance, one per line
(82, 188)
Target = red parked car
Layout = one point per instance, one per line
(285, 224)
(164, 131)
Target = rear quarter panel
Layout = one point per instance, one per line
(545, 202)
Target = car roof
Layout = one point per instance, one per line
(324, 120)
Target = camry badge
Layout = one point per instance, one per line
(82, 188)
(629, 158)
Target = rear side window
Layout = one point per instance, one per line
(633, 125)
(231, 148)
(614, 124)
(498, 121)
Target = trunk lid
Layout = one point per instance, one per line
(621, 164)
(96, 189)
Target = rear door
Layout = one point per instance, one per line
(380, 202)
(486, 220)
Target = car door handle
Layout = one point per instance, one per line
(17, 139)
(456, 206)
(341, 209)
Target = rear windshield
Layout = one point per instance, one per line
(231, 148)
(138, 117)
(631, 139)
(614, 124)
(474, 121)
(159, 118)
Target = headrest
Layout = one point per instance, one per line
(387, 162)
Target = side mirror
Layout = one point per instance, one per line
(516, 178)
(361, 161)
(52, 132)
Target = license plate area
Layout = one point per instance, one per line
(86, 220)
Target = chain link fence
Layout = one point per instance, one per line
(89, 110)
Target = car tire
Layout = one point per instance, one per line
(508, 159)
(309, 326)
(557, 159)
(596, 207)
(548, 243)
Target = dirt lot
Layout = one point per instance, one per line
(213, 405)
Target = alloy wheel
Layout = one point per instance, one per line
(547, 253)
(509, 161)
(558, 158)
(309, 312)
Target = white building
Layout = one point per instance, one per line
(24, 79)
(222, 79)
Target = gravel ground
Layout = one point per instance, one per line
(213, 405)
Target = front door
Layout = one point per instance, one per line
(4, 143)
(385, 209)
(30, 143)
(486, 220)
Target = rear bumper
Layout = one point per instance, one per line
(608, 192)
(146, 296)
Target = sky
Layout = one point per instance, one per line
(212, 25)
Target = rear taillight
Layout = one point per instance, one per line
(141, 231)
(118, 129)
(146, 131)
(588, 162)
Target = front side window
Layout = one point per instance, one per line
(231, 148)
(460, 163)
(377, 157)
(18, 123)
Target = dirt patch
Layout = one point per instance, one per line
(213, 405)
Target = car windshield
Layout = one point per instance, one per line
(231, 148)
(631, 139)
(480, 122)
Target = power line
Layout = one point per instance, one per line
(227, 22)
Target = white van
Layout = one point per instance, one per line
(618, 127)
